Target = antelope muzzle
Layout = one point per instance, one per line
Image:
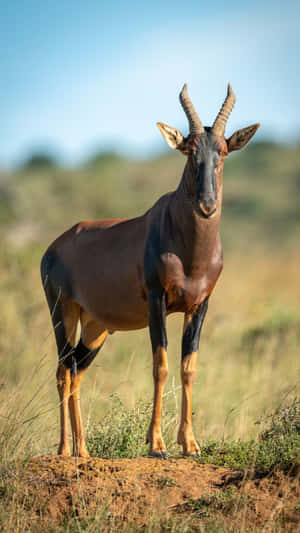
(207, 206)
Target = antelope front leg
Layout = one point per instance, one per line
(157, 325)
(190, 343)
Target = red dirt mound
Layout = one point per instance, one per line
(143, 489)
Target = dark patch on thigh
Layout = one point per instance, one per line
(77, 358)
(67, 357)
(54, 271)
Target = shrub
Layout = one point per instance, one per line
(277, 446)
(122, 431)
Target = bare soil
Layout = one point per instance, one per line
(137, 491)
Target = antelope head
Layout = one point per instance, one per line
(206, 149)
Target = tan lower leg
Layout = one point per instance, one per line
(160, 372)
(63, 386)
(79, 448)
(185, 433)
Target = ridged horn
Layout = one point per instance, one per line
(194, 121)
(219, 124)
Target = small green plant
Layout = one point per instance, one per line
(279, 443)
(163, 482)
(218, 501)
(277, 446)
(122, 432)
(232, 454)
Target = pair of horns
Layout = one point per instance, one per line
(195, 122)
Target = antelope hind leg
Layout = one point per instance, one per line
(93, 335)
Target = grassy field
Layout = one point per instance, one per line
(249, 351)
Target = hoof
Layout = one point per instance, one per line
(194, 455)
(159, 455)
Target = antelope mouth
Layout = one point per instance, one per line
(207, 215)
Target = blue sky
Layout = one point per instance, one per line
(77, 76)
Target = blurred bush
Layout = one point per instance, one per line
(39, 161)
(103, 159)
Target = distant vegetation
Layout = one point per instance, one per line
(102, 160)
(39, 161)
(261, 193)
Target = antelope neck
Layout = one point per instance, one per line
(195, 236)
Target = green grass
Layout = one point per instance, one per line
(248, 358)
(277, 445)
(121, 433)
(224, 501)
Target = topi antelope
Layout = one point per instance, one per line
(125, 274)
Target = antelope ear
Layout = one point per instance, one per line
(172, 136)
(241, 137)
